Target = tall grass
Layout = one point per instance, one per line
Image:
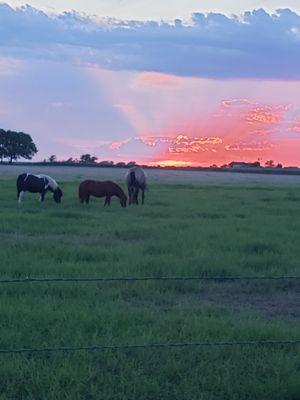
(182, 230)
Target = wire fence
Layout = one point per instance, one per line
(124, 347)
(139, 279)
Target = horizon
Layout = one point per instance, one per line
(206, 88)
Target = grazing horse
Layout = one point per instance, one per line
(136, 180)
(37, 184)
(105, 189)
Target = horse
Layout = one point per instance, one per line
(136, 180)
(106, 189)
(37, 184)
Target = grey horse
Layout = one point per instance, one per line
(136, 180)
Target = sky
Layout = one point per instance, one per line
(194, 83)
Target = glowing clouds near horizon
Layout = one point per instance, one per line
(192, 121)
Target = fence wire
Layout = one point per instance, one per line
(100, 347)
(147, 278)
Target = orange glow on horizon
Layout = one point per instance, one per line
(179, 121)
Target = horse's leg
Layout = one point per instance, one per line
(129, 196)
(108, 200)
(143, 196)
(87, 199)
(42, 196)
(137, 197)
(21, 196)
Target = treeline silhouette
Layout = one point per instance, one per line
(88, 160)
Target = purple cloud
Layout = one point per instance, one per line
(254, 45)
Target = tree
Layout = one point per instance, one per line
(269, 164)
(121, 164)
(87, 159)
(52, 158)
(14, 145)
(2, 145)
(70, 161)
(131, 164)
(106, 163)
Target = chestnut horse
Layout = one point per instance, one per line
(136, 180)
(105, 189)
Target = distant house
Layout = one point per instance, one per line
(241, 164)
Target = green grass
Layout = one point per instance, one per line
(182, 230)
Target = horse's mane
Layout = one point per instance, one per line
(52, 183)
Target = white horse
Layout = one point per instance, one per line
(136, 180)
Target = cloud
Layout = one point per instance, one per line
(295, 126)
(9, 66)
(250, 146)
(156, 79)
(253, 45)
(185, 144)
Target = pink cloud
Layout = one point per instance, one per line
(249, 146)
(185, 144)
(156, 79)
(295, 126)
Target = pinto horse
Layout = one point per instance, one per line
(105, 189)
(37, 184)
(136, 180)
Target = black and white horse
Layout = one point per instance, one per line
(38, 184)
(136, 180)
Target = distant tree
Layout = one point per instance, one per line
(270, 164)
(14, 145)
(52, 158)
(106, 163)
(70, 161)
(87, 159)
(2, 145)
(120, 164)
(279, 166)
(131, 164)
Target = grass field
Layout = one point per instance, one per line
(183, 229)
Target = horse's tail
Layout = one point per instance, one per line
(20, 182)
(81, 193)
(132, 179)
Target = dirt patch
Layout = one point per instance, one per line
(270, 299)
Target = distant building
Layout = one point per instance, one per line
(241, 164)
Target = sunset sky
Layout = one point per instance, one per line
(183, 84)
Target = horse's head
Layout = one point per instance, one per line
(123, 201)
(57, 195)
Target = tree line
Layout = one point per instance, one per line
(15, 145)
(88, 159)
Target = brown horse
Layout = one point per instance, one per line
(105, 189)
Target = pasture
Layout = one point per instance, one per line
(184, 229)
